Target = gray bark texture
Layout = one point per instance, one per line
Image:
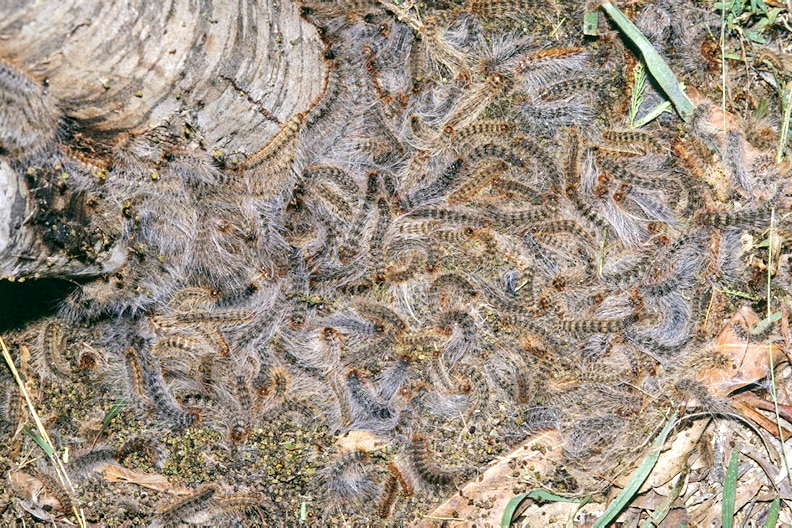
(83, 81)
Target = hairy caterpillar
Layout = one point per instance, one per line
(186, 507)
(427, 468)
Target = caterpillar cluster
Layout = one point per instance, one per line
(450, 255)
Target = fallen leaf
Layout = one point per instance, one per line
(494, 488)
(361, 441)
(116, 473)
(671, 462)
(746, 363)
(33, 491)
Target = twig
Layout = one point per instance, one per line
(60, 471)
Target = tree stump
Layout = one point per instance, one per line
(81, 80)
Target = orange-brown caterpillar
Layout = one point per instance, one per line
(633, 141)
(137, 444)
(273, 381)
(178, 342)
(278, 142)
(336, 203)
(450, 217)
(741, 218)
(530, 149)
(389, 493)
(54, 486)
(239, 429)
(152, 384)
(53, 344)
(237, 296)
(572, 168)
(357, 288)
(502, 8)
(473, 383)
(353, 239)
(341, 394)
(586, 210)
(423, 464)
(629, 275)
(561, 226)
(455, 317)
(481, 128)
(568, 87)
(407, 270)
(11, 411)
(381, 228)
(627, 176)
(223, 318)
(514, 187)
(137, 373)
(381, 314)
(553, 60)
(691, 179)
(329, 94)
(183, 508)
(519, 218)
(478, 98)
(434, 189)
(598, 326)
(333, 174)
(497, 151)
(429, 339)
(454, 282)
(475, 182)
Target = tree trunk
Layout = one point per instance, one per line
(85, 79)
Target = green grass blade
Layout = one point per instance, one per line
(653, 114)
(729, 492)
(42, 443)
(786, 95)
(639, 83)
(638, 478)
(660, 71)
(511, 507)
(772, 515)
(661, 512)
(540, 494)
(590, 23)
(113, 412)
(762, 325)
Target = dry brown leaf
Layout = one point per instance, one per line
(361, 441)
(715, 119)
(24, 359)
(552, 513)
(116, 473)
(747, 362)
(671, 462)
(32, 490)
(484, 499)
(747, 489)
(761, 420)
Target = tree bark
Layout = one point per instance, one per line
(84, 78)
